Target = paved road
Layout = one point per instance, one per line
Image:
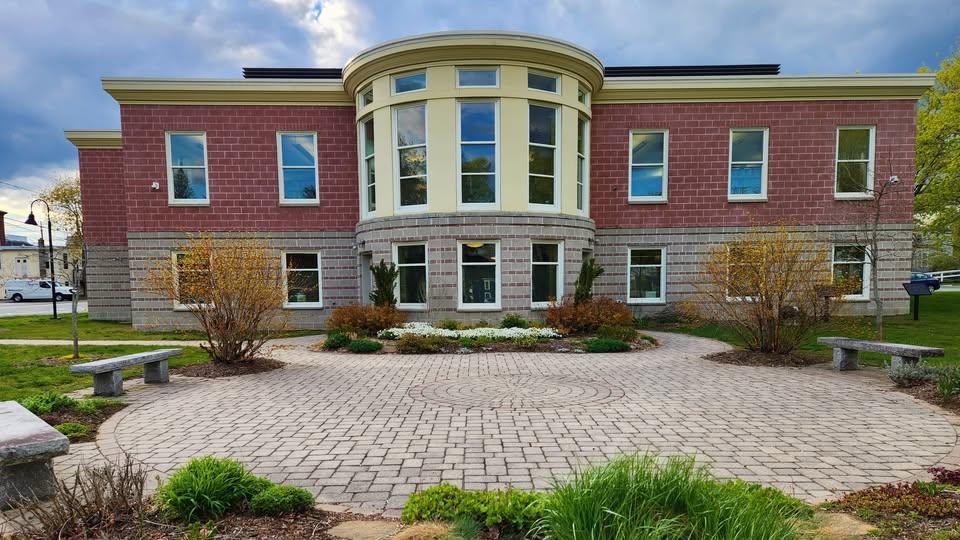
(37, 307)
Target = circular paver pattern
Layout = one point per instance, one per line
(367, 430)
(516, 392)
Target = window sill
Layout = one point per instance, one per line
(475, 207)
(305, 202)
(419, 209)
(539, 307)
(189, 203)
(302, 306)
(479, 308)
(852, 196)
(646, 302)
(855, 298)
(756, 198)
(651, 200)
(544, 208)
(413, 307)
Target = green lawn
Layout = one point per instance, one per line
(937, 327)
(30, 369)
(43, 327)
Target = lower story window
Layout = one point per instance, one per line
(193, 279)
(646, 275)
(851, 265)
(302, 274)
(546, 273)
(412, 280)
(479, 277)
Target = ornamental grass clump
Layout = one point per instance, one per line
(277, 500)
(601, 345)
(46, 403)
(207, 488)
(364, 346)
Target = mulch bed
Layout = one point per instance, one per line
(928, 392)
(754, 358)
(92, 420)
(212, 370)
(563, 345)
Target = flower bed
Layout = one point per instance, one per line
(426, 329)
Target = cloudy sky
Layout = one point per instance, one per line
(53, 52)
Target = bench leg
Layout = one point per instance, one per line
(32, 480)
(108, 384)
(156, 372)
(845, 359)
(897, 361)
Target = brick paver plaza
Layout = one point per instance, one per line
(366, 431)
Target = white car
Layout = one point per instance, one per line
(19, 290)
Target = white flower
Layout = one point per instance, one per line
(425, 329)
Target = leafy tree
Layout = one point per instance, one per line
(589, 272)
(181, 185)
(938, 152)
(233, 287)
(384, 284)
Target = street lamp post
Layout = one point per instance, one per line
(31, 220)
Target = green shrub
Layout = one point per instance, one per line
(416, 344)
(513, 508)
(448, 324)
(47, 403)
(645, 337)
(388, 335)
(589, 272)
(909, 375)
(277, 500)
(622, 333)
(525, 342)
(364, 320)
(641, 496)
(468, 342)
(207, 488)
(512, 320)
(948, 383)
(601, 345)
(363, 346)
(336, 341)
(92, 405)
(72, 430)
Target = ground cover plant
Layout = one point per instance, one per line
(26, 370)
(78, 419)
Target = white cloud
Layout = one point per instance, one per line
(334, 28)
(16, 201)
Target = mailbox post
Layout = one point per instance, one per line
(916, 290)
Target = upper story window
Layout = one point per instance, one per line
(543, 155)
(477, 77)
(748, 164)
(410, 82)
(855, 149)
(366, 96)
(301, 274)
(582, 95)
(583, 162)
(852, 264)
(648, 165)
(411, 152)
(187, 168)
(546, 82)
(368, 173)
(478, 153)
(297, 157)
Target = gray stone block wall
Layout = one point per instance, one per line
(339, 275)
(108, 283)
(686, 248)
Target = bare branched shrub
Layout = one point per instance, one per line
(96, 499)
(233, 287)
(771, 287)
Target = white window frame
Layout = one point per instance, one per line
(393, 82)
(556, 76)
(868, 194)
(316, 167)
(749, 197)
(630, 165)
(662, 299)
(362, 167)
(461, 306)
(495, 205)
(362, 100)
(583, 167)
(583, 96)
(177, 306)
(494, 69)
(426, 266)
(283, 265)
(398, 208)
(558, 264)
(555, 207)
(865, 279)
(171, 201)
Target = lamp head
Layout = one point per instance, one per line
(31, 220)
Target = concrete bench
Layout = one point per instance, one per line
(27, 448)
(108, 380)
(845, 351)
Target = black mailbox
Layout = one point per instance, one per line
(916, 290)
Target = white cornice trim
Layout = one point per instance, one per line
(226, 91)
(109, 139)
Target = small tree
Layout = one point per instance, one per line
(767, 286)
(233, 287)
(384, 283)
(589, 272)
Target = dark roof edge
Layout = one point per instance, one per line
(291, 73)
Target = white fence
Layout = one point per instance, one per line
(946, 274)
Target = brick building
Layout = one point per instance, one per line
(487, 165)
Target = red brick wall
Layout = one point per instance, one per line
(800, 171)
(102, 194)
(242, 167)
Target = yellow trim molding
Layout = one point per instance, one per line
(468, 47)
(908, 86)
(95, 138)
(226, 91)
